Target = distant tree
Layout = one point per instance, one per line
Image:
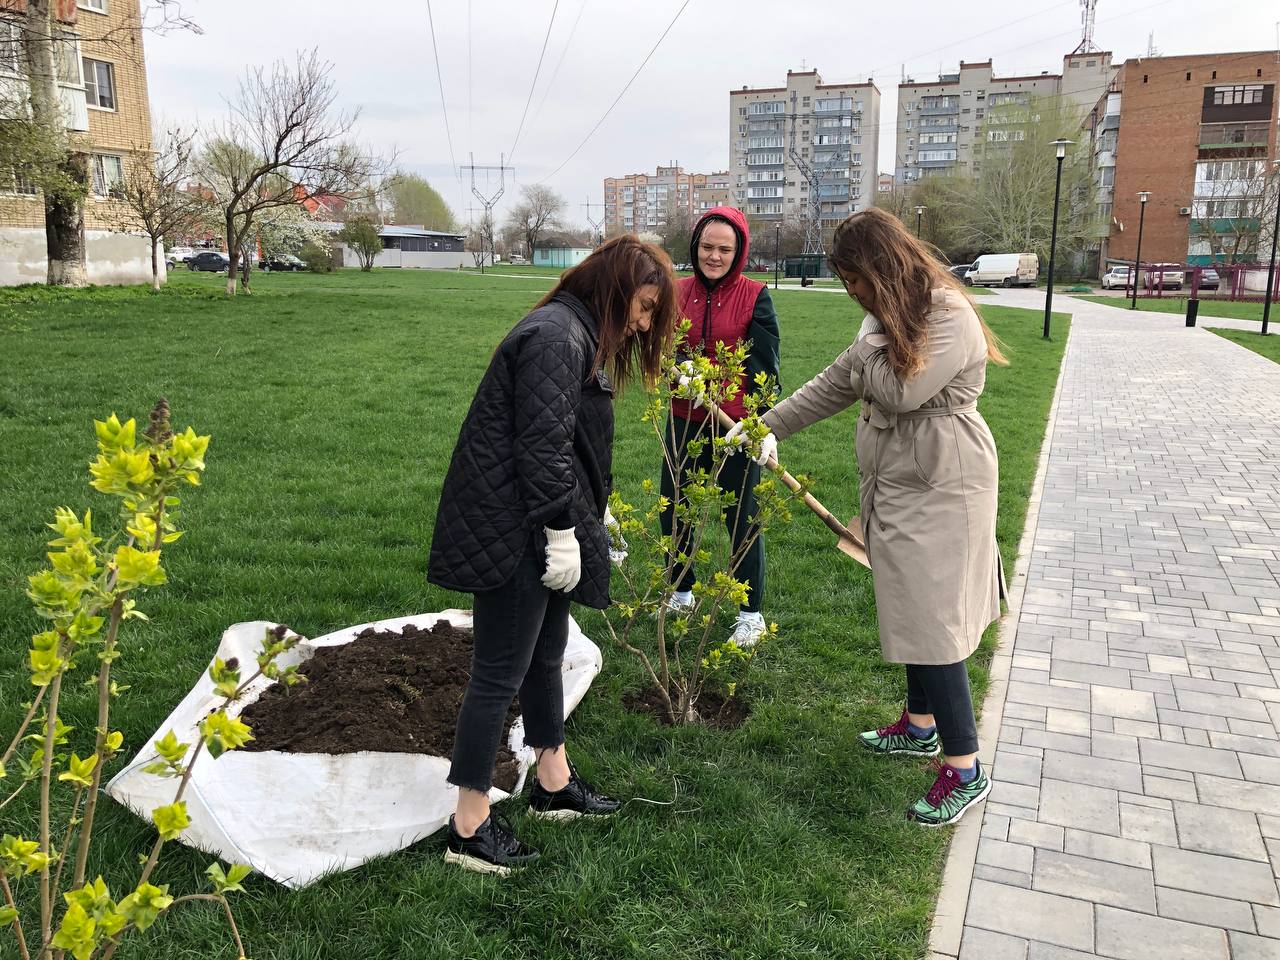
(317, 257)
(539, 209)
(361, 235)
(677, 231)
(288, 229)
(414, 200)
(1234, 209)
(283, 144)
(152, 195)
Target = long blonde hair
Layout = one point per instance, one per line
(903, 272)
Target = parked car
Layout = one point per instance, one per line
(960, 269)
(1209, 279)
(280, 262)
(177, 255)
(1005, 269)
(1116, 277)
(209, 261)
(1169, 276)
(516, 258)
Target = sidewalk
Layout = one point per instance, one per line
(1133, 723)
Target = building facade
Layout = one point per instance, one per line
(777, 135)
(102, 81)
(1199, 135)
(643, 202)
(940, 122)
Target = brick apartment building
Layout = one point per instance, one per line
(102, 83)
(642, 201)
(1199, 134)
(837, 132)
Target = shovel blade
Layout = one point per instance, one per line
(855, 545)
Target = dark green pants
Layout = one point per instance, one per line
(740, 474)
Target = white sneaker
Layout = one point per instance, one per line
(679, 602)
(748, 630)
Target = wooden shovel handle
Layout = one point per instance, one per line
(810, 501)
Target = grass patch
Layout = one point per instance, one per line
(334, 402)
(1231, 309)
(1268, 346)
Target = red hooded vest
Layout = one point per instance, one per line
(720, 311)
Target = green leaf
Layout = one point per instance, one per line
(171, 748)
(230, 880)
(222, 733)
(171, 820)
(80, 771)
(114, 740)
(113, 435)
(138, 567)
(7, 916)
(145, 904)
(77, 933)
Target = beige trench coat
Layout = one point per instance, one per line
(929, 482)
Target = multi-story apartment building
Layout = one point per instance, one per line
(836, 135)
(642, 201)
(1199, 134)
(102, 83)
(939, 122)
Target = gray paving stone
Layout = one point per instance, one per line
(1034, 834)
(1030, 914)
(985, 945)
(1261, 769)
(1237, 794)
(1212, 874)
(1099, 846)
(1267, 920)
(1047, 951)
(1113, 746)
(1129, 704)
(1007, 856)
(1148, 825)
(1016, 768)
(1079, 805)
(1209, 703)
(1096, 880)
(1098, 771)
(1076, 722)
(1194, 759)
(1011, 878)
(1246, 947)
(1134, 936)
(1232, 833)
(1049, 695)
(1206, 910)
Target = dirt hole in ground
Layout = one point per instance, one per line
(715, 709)
(385, 691)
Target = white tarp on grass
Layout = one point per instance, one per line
(295, 817)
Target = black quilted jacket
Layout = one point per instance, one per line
(535, 450)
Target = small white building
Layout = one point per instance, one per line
(411, 247)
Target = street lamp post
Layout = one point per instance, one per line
(1143, 197)
(777, 242)
(920, 208)
(1271, 264)
(1060, 146)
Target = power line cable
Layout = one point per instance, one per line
(618, 98)
(555, 73)
(519, 130)
(440, 80)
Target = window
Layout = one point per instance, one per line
(108, 173)
(1250, 93)
(926, 155)
(99, 84)
(98, 6)
(768, 107)
(909, 124)
(10, 46)
(12, 181)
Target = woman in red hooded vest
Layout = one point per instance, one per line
(724, 307)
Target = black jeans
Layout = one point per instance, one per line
(521, 630)
(943, 690)
(739, 475)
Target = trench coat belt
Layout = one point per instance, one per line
(887, 420)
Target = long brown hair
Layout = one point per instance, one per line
(903, 271)
(606, 282)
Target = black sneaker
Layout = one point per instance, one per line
(492, 849)
(577, 799)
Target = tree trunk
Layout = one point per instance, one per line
(155, 264)
(63, 215)
(233, 255)
(246, 263)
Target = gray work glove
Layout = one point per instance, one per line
(564, 560)
(617, 544)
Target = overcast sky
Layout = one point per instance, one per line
(677, 108)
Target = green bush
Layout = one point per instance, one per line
(317, 258)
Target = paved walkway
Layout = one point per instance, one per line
(1134, 723)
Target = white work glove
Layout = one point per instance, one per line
(768, 445)
(564, 560)
(617, 545)
(687, 377)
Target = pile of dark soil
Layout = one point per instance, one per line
(715, 709)
(384, 691)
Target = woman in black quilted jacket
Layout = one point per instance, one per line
(521, 524)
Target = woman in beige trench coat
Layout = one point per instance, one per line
(928, 488)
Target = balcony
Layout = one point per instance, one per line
(1235, 139)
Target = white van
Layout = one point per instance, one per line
(1005, 269)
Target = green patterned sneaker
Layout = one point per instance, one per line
(899, 739)
(948, 799)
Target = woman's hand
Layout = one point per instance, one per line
(768, 444)
(564, 560)
(617, 544)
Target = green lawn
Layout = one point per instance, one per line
(334, 402)
(1268, 346)
(1233, 309)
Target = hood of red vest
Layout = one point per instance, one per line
(735, 218)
